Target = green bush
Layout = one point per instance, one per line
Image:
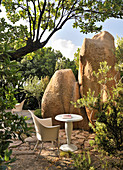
(109, 124)
(35, 87)
(37, 112)
(11, 125)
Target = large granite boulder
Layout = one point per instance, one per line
(62, 89)
(100, 48)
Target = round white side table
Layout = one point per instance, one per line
(68, 130)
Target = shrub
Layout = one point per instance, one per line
(37, 112)
(36, 87)
(11, 126)
(109, 124)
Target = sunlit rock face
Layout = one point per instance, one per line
(63, 87)
(61, 90)
(100, 48)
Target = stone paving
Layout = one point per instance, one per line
(27, 159)
(80, 138)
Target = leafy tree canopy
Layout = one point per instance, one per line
(44, 62)
(35, 87)
(49, 16)
(65, 63)
(40, 63)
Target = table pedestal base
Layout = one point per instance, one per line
(69, 147)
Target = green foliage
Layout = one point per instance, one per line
(66, 154)
(11, 126)
(82, 161)
(36, 87)
(9, 78)
(37, 112)
(52, 12)
(15, 36)
(119, 54)
(51, 16)
(101, 75)
(5, 160)
(119, 50)
(42, 62)
(65, 63)
(76, 58)
(87, 101)
(109, 125)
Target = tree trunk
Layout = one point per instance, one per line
(30, 47)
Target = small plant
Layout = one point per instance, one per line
(6, 160)
(66, 154)
(37, 112)
(82, 161)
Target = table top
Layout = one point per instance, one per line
(74, 118)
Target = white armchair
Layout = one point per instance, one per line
(18, 107)
(45, 132)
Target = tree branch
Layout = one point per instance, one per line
(34, 22)
(56, 12)
(30, 18)
(46, 26)
(40, 17)
(30, 47)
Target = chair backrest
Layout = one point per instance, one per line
(44, 122)
(18, 107)
(21, 104)
(43, 128)
(40, 125)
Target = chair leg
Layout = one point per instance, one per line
(36, 145)
(58, 147)
(41, 147)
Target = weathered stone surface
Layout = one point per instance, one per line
(15, 143)
(31, 139)
(62, 89)
(100, 48)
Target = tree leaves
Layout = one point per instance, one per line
(36, 87)
(51, 16)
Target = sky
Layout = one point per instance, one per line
(69, 39)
